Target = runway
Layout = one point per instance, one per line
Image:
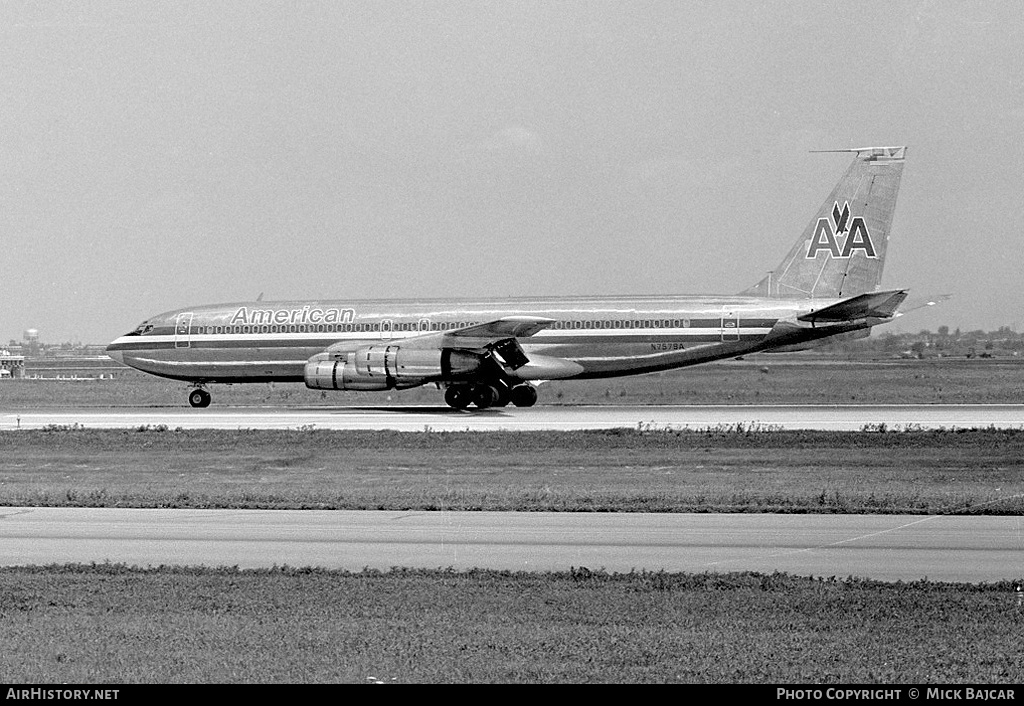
(884, 547)
(421, 418)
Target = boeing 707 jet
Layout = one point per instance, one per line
(493, 352)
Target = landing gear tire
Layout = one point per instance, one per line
(480, 395)
(458, 396)
(199, 398)
(524, 395)
(486, 396)
(504, 395)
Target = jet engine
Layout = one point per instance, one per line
(385, 367)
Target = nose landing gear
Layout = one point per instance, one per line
(199, 398)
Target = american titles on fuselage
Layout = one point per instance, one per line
(305, 315)
(826, 235)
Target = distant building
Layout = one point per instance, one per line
(31, 338)
(11, 366)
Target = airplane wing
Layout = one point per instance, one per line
(881, 305)
(505, 327)
(497, 339)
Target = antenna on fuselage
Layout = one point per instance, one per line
(260, 297)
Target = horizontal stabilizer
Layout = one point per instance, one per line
(920, 302)
(880, 305)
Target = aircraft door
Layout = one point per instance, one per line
(730, 327)
(183, 330)
(386, 327)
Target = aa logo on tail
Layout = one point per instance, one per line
(826, 235)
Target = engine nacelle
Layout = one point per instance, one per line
(332, 374)
(384, 367)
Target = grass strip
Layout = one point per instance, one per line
(628, 470)
(115, 624)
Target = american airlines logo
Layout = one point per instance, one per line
(305, 315)
(827, 233)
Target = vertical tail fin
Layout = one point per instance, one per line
(842, 250)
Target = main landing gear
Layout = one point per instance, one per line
(485, 395)
(199, 398)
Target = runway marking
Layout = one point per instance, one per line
(878, 533)
(922, 520)
(763, 418)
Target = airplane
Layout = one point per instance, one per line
(494, 352)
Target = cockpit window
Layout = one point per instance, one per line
(142, 329)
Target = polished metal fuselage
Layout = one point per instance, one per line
(597, 336)
(838, 257)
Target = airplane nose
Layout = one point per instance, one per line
(115, 354)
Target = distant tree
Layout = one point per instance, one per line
(889, 342)
(944, 331)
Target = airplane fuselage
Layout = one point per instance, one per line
(598, 336)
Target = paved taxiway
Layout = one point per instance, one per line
(885, 547)
(419, 418)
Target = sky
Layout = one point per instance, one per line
(160, 155)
